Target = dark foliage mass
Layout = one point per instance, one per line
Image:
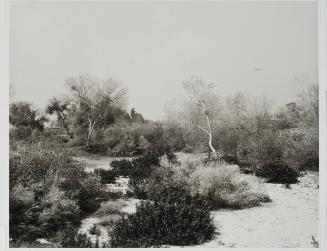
(183, 222)
(278, 173)
(70, 238)
(48, 191)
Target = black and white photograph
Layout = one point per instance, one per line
(165, 124)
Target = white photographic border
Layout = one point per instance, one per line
(4, 108)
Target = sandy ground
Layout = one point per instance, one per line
(99, 162)
(290, 220)
(87, 223)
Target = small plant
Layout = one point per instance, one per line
(111, 207)
(94, 230)
(314, 242)
(107, 176)
(287, 186)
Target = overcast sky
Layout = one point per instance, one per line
(153, 47)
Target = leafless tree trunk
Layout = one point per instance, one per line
(208, 131)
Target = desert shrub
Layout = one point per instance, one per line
(121, 167)
(58, 211)
(22, 217)
(268, 147)
(110, 220)
(230, 159)
(160, 223)
(111, 207)
(97, 149)
(278, 173)
(139, 169)
(78, 140)
(188, 149)
(71, 238)
(165, 185)
(107, 176)
(20, 133)
(223, 185)
(94, 230)
(302, 151)
(62, 191)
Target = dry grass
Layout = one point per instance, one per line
(224, 186)
(111, 207)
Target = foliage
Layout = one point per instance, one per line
(56, 190)
(159, 223)
(71, 238)
(96, 99)
(223, 185)
(61, 108)
(22, 114)
(107, 176)
(111, 207)
(94, 230)
(278, 173)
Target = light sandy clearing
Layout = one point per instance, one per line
(98, 162)
(290, 220)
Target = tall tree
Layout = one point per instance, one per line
(96, 98)
(203, 104)
(136, 117)
(60, 107)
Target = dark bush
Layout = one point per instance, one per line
(20, 133)
(97, 149)
(94, 230)
(71, 238)
(278, 173)
(122, 167)
(186, 222)
(48, 191)
(230, 159)
(107, 176)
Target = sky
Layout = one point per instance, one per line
(152, 47)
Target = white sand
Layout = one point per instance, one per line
(290, 220)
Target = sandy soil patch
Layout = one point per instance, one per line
(98, 163)
(290, 220)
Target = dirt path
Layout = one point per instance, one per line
(290, 220)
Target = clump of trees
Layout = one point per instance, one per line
(96, 100)
(245, 130)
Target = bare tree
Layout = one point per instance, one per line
(260, 113)
(203, 105)
(237, 108)
(308, 98)
(96, 98)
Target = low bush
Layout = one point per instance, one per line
(107, 176)
(71, 238)
(186, 222)
(223, 185)
(55, 188)
(111, 207)
(140, 169)
(110, 220)
(94, 230)
(278, 173)
(122, 167)
(20, 133)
